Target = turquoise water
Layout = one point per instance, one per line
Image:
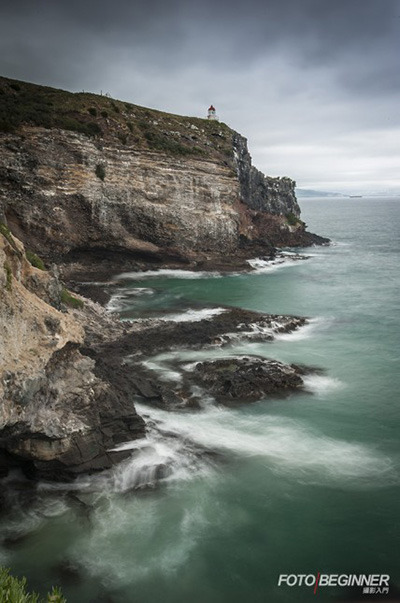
(302, 485)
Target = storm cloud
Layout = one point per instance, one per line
(313, 84)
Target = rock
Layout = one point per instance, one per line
(57, 416)
(246, 378)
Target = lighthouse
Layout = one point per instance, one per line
(212, 114)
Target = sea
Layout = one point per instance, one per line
(231, 505)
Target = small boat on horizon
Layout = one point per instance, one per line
(355, 196)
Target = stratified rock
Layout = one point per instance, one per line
(136, 184)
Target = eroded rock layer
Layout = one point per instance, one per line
(82, 172)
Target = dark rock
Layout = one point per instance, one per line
(245, 379)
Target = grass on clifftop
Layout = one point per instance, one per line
(126, 124)
(13, 590)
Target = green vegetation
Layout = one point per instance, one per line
(96, 115)
(70, 301)
(159, 141)
(35, 260)
(47, 107)
(6, 232)
(9, 276)
(100, 171)
(291, 219)
(13, 590)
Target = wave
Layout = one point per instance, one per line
(322, 384)
(167, 273)
(193, 315)
(119, 300)
(305, 331)
(283, 260)
(289, 446)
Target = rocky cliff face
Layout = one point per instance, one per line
(146, 201)
(274, 196)
(81, 172)
(55, 412)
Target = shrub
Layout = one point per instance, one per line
(104, 114)
(70, 301)
(115, 107)
(92, 129)
(5, 231)
(100, 171)
(13, 590)
(35, 260)
(7, 127)
(130, 125)
(123, 137)
(8, 270)
(93, 111)
(162, 142)
(291, 219)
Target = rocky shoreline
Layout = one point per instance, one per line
(108, 188)
(67, 416)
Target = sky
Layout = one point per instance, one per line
(314, 85)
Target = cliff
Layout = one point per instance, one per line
(82, 172)
(57, 416)
(90, 183)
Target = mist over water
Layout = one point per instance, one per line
(215, 504)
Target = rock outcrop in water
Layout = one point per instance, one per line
(85, 177)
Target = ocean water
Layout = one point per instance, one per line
(300, 485)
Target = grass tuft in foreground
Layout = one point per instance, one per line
(13, 590)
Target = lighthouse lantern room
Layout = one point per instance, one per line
(212, 114)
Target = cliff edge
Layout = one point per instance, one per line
(83, 176)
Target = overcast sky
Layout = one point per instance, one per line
(313, 84)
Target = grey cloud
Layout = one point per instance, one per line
(297, 73)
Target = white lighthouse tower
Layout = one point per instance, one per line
(212, 114)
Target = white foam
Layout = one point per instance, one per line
(114, 304)
(193, 315)
(285, 259)
(166, 373)
(322, 384)
(150, 543)
(289, 446)
(165, 273)
(178, 456)
(305, 331)
(119, 300)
